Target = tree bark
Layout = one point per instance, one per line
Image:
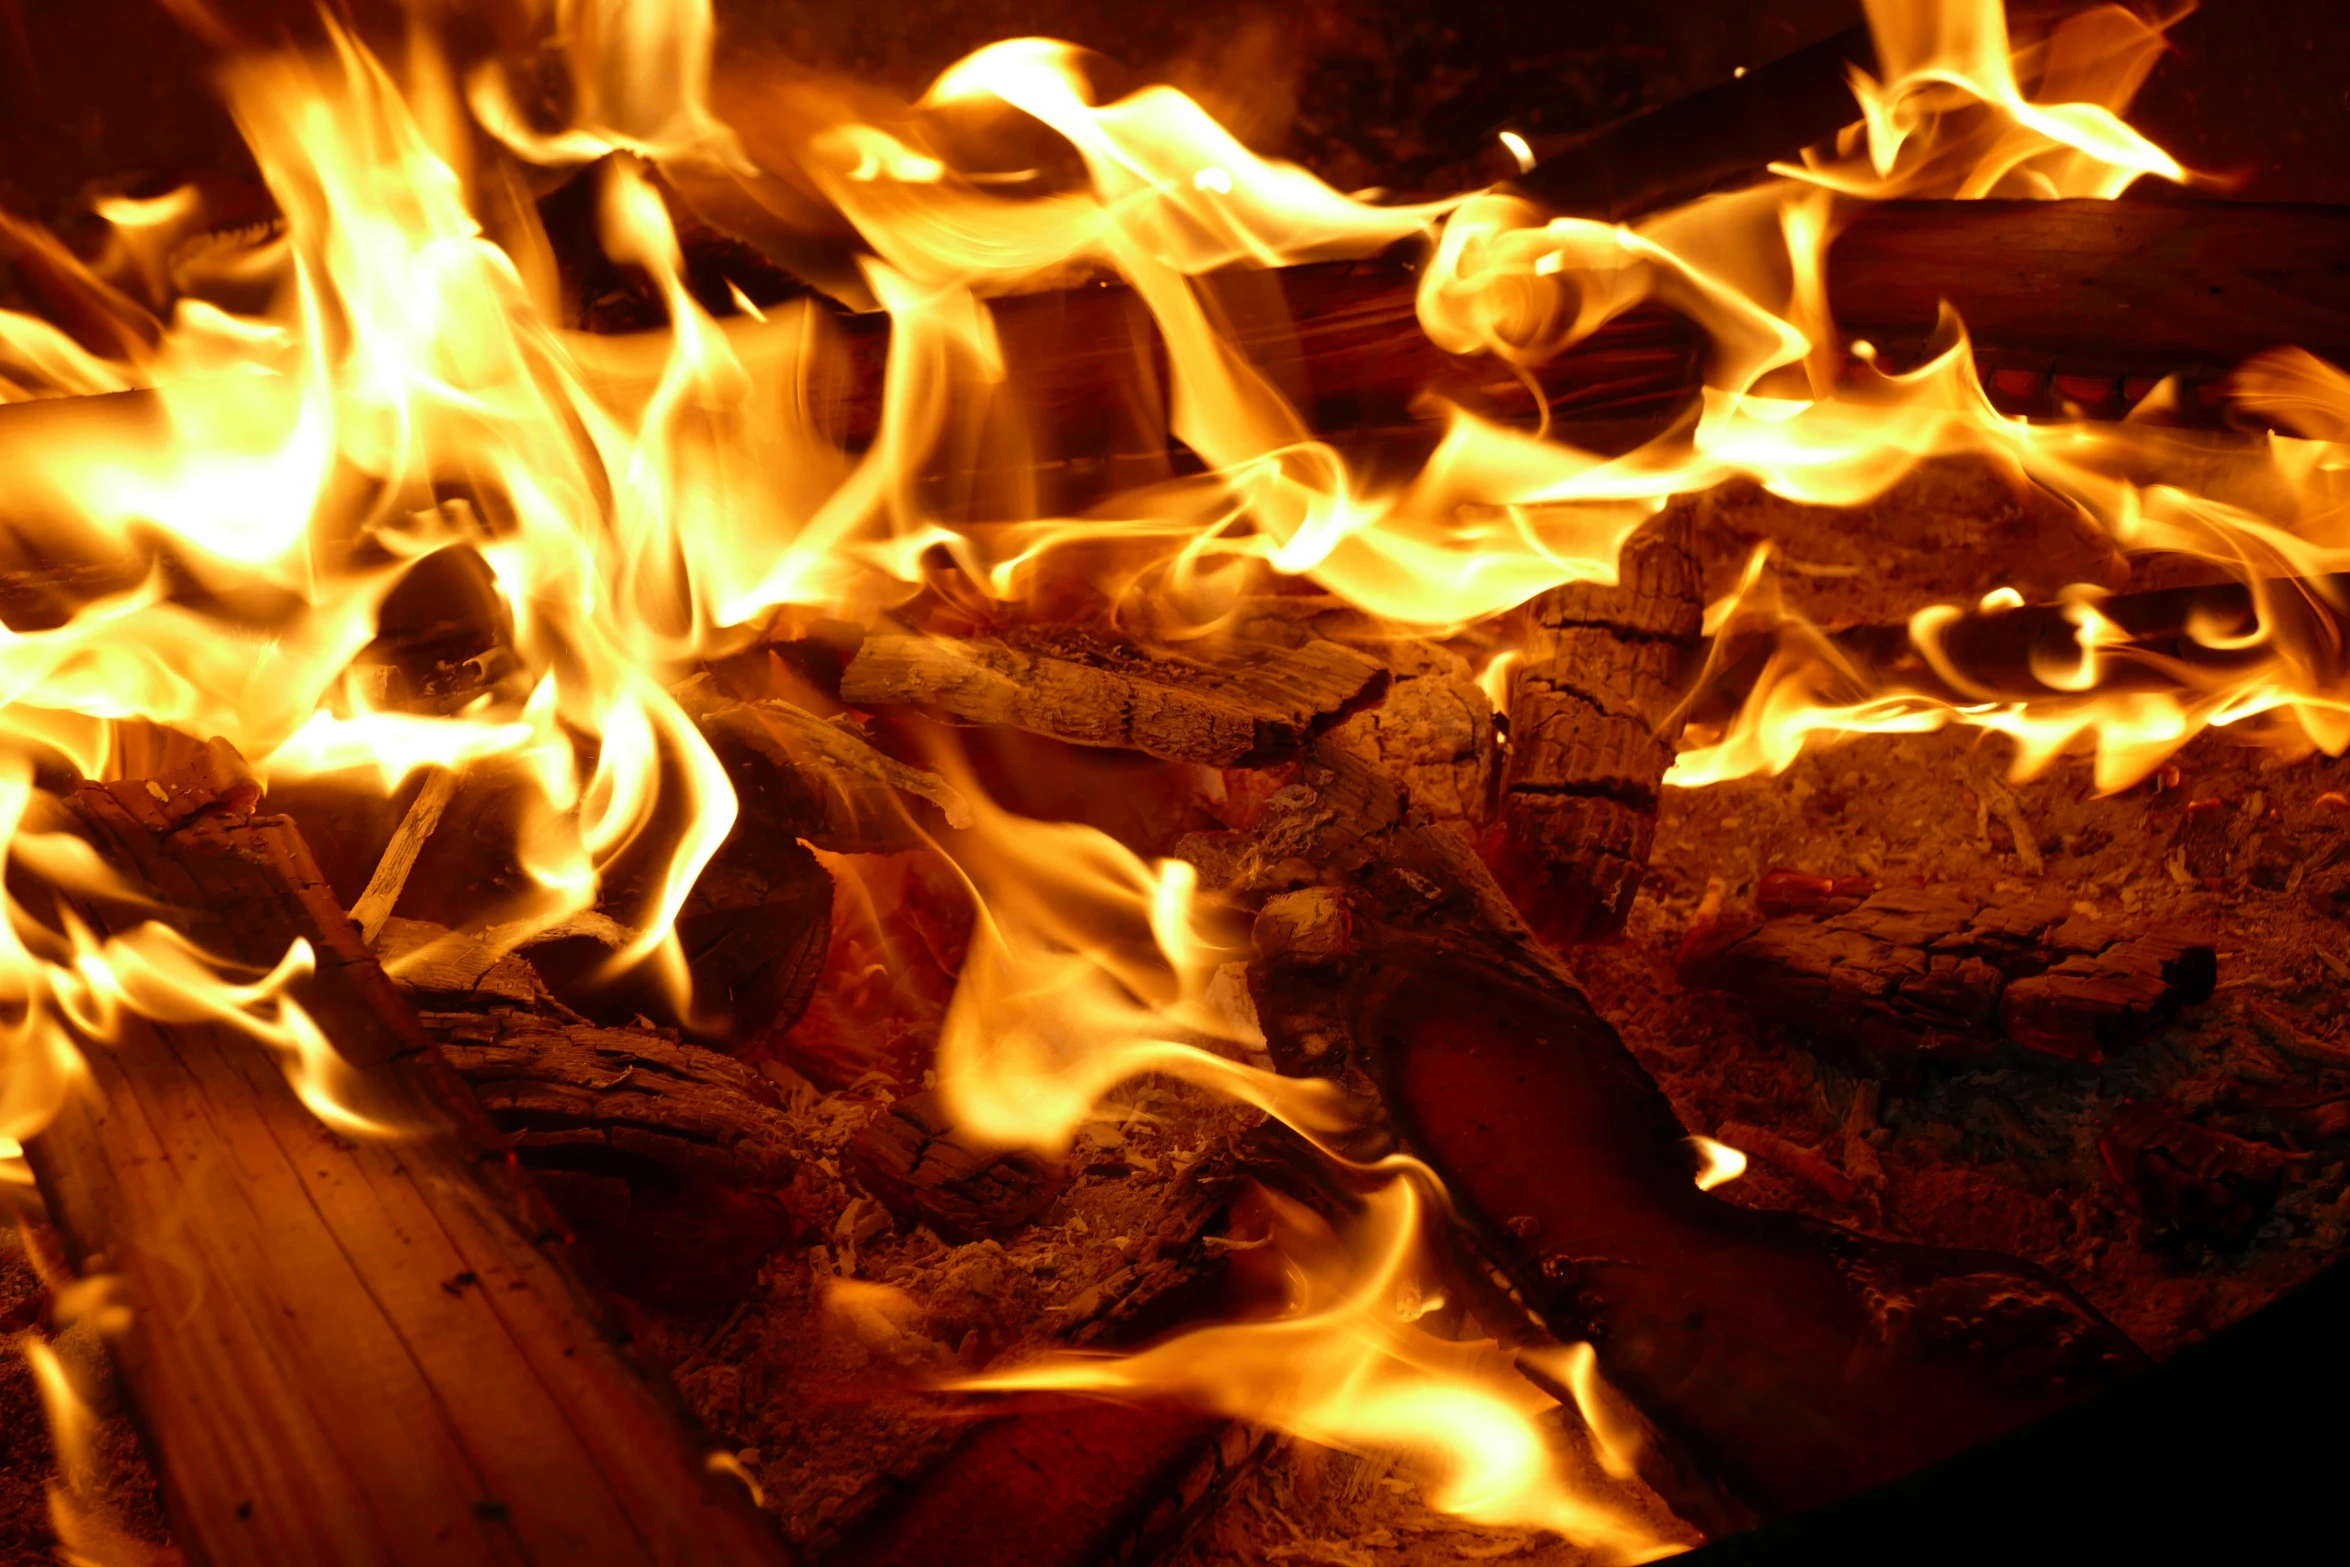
(364, 1352)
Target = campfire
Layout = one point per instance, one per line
(751, 822)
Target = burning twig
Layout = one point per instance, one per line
(375, 905)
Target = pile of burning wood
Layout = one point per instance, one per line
(368, 1212)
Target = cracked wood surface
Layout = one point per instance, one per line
(1941, 972)
(1593, 712)
(1243, 706)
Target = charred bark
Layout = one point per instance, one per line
(1790, 1360)
(912, 1159)
(666, 1160)
(1246, 707)
(342, 1350)
(1941, 973)
(1593, 713)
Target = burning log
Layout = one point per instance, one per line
(341, 1349)
(1937, 972)
(661, 1156)
(1245, 707)
(1793, 1360)
(2170, 639)
(1072, 1482)
(1725, 135)
(912, 1159)
(2132, 288)
(1593, 711)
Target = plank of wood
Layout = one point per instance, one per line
(1240, 707)
(344, 1351)
(1782, 1362)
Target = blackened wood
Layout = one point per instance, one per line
(1789, 1360)
(554, 1087)
(349, 1351)
(1941, 972)
(913, 1160)
(670, 1163)
(1726, 135)
(1593, 712)
(1239, 706)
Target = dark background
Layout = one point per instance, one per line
(1402, 93)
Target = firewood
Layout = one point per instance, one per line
(1593, 712)
(2137, 288)
(1789, 1360)
(1069, 1482)
(913, 1160)
(664, 1158)
(2171, 639)
(818, 779)
(1241, 707)
(347, 1350)
(1725, 135)
(1941, 973)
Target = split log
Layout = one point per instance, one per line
(1940, 973)
(912, 1159)
(1789, 1360)
(348, 1351)
(1245, 706)
(1594, 708)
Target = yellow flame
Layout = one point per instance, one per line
(1723, 1163)
(1348, 1365)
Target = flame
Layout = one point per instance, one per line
(1349, 1364)
(1723, 1163)
(253, 439)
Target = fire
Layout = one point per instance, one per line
(295, 419)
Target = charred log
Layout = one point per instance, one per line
(1246, 707)
(1940, 973)
(913, 1159)
(2165, 639)
(1593, 713)
(665, 1159)
(1792, 1360)
(346, 1350)
(1069, 1482)
(1725, 135)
